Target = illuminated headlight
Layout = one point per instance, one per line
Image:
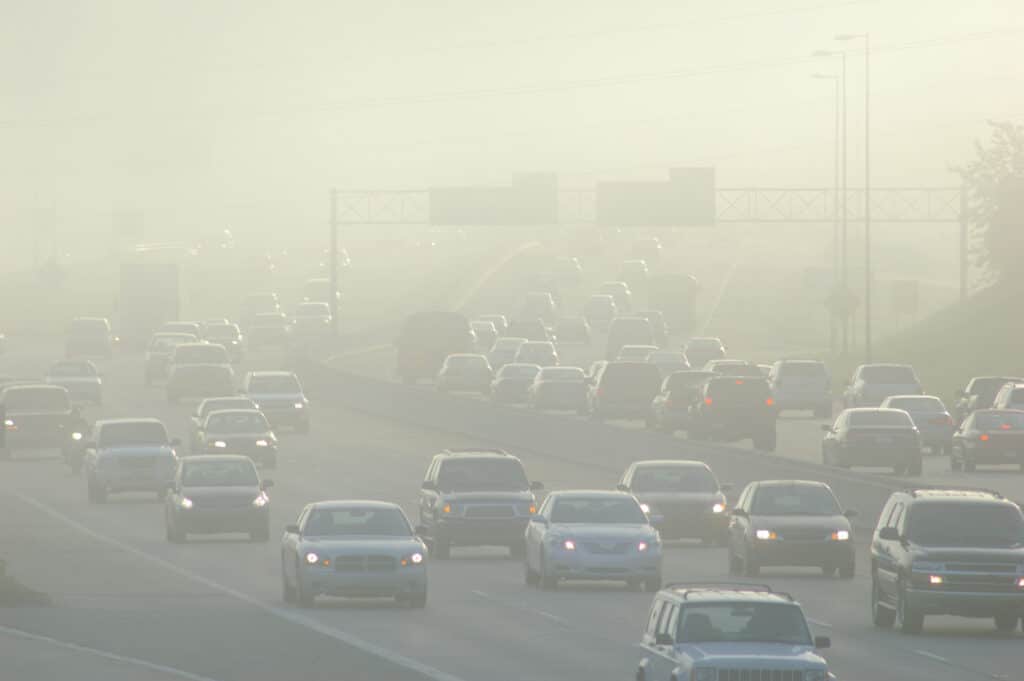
(262, 443)
(260, 501)
(447, 509)
(9, 423)
(569, 545)
(300, 405)
(841, 535)
(766, 534)
(642, 546)
(705, 674)
(186, 502)
(718, 508)
(312, 558)
(645, 508)
(76, 436)
(1020, 582)
(413, 560)
(257, 405)
(935, 580)
(220, 444)
(815, 675)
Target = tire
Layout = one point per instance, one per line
(418, 601)
(442, 549)
(911, 621)
(1006, 623)
(303, 598)
(652, 584)
(881, 616)
(848, 570)
(547, 582)
(916, 465)
(735, 564)
(530, 578)
(955, 464)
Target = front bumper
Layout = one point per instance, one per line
(220, 520)
(802, 553)
(481, 531)
(580, 565)
(877, 455)
(326, 581)
(133, 481)
(965, 603)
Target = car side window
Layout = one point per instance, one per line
(900, 519)
(669, 621)
(545, 508)
(655, 616)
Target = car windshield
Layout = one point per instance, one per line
(684, 379)
(275, 384)
(519, 371)
(667, 358)
(704, 344)
(220, 473)
(1016, 396)
(879, 418)
(999, 420)
(916, 404)
(222, 332)
(200, 354)
(574, 374)
(963, 524)
(37, 399)
(743, 622)
(636, 352)
(72, 369)
(466, 362)
(987, 388)
(598, 510)
(357, 522)
(236, 422)
(182, 327)
(224, 403)
(132, 433)
(889, 374)
(794, 500)
(802, 370)
(673, 479)
(474, 475)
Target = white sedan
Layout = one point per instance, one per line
(592, 535)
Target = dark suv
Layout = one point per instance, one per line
(947, 552)
(623, 390)
(476, 498)
(733, 408)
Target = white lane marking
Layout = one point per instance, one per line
(522, 608)
(114, 657)
(819, 623)
(932, 656)
(293, 617)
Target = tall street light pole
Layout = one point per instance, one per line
(333, 278)
(841, 202)
(835, 209)
(867, 185)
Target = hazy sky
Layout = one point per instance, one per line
(199, 114)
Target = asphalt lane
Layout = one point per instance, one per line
(121, 588)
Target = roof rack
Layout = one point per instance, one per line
(912, 491)
(726, 586)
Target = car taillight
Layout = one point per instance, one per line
(769, 402)
(708, 400)
(983, 437)
(600, 392)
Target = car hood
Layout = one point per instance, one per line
(257, 396)
(694, 498)
(603, 531)
(781, 522)
(360, 545)
(136, 450)
(232, 437)
(73, 380)
(468, 497)
(222, 492)
(12, 413)
(970, 554)
(753, 654)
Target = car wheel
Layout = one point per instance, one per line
(956, 463)
(881, 616)
(287, 590)
(547, 582)
(418, 601)
(1006, 622)
(517, 549)
(847, 570)
(911, 621)
(442, 549)
(530, 577)
(652, 584)
(303, 598)
(915, 465)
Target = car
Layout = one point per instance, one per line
(871, 436)
(208, 405)
(572, 331)
(485, 334)
(933, 421)
(187, 354)
(465, 372)
(872, 383)
(256, 304)
(279, 395)
(599, 311)
(701, 350)
(670, 408)
(628, 331)
(504, 351)
(648, 248)
(426, 339)
(559, 388)
(686, 494)
(190, 328)
(799, 384)
(227, 335)
(159, 351)
(80, 377)
(988, 436)
(499, 320)
(1010, 396)
(790, 523)
(947, 552)
(658, 325)
(512, 382)
(733, 367)
(635, 353)
(311, 322)
(38, 417)
(192, 381)
(268, 329)
(239, 431)
(542, 353)
(592, 535)
(623, 390)
(217, 494)
(318, 290)
(979, 393)
(727, 632)
(353, 548)
(618, 290)
(540, 304)
(675, 295)
(90, 337)
(476, 497)
(128, 455)
(734, 408)
(532, 329)
(634, 273)
(668, 361)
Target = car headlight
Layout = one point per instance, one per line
(262, 443)
(220, 444)
(413, 560)
(718, 508)
(646, 508)
(299, 405)
(705, 674)
(9, 423)
(766, 534)
(260, 501)
(815, 675)
(312, 558)
(569, 545)
(641, 546)
(76, 436)
(841, 535)
(185, 502)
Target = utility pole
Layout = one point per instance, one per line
(836, 318)
(333, 293)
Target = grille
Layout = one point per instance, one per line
(490, 512)
(364, 564)
(804, 533)
(982, 567)
(138, 462)
(760, 675)
(608, 548)
(221, 502)
(980, 583)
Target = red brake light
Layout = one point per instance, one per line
(1005, 426)
(739, 381)
(600, 392)
(769, 402)
(983, 437)
(708, 400)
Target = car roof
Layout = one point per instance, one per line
(673, 463)
(234, 411)
(886, 364)
(792, 483)
(961, 495)
(34, 386)
(855, 410)
(353, 503)
(141, 419)
(590, 493)
(728, 593)
(206, 458)
(476, 454)
(266, 373)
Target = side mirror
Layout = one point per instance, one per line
(726, 487)
(622, 488)
(822, 642)
(539, 519)
(889, 534)
(740, 513)
(267, 484)
(291, 528)
(850, 513)
(536, 486)
(664, 640)
(429, 485)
